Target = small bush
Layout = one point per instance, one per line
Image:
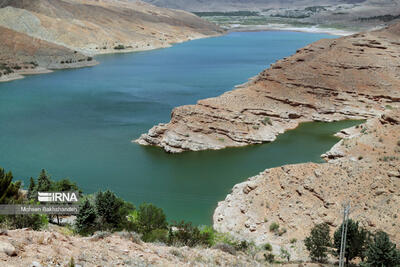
(285, 254)
(388, 107)
(282, 232)
(157, 235)
(188, 235)
(119, 47)
(364, 130)
(274, 227)
(268, 247)
(34, 221)
(293, 240)
(149, 218)
(398, 143)
(269, 257)
(267, 120)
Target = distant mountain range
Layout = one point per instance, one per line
(231, 5)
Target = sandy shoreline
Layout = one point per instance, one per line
(286, 27)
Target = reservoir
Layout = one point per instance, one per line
(79, 123)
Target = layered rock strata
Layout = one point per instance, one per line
(363, 169)
(353, 77)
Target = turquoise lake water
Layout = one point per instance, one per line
(79, 123)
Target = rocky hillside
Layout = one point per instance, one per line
(56, 248)
(22, 54)
(225, 5)
(352, 77)
(40, 35)
(363, 168)
(102, 26)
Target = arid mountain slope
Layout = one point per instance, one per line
(22, 54)
(224, 5)
(103, 26)
(363, 168)
(53, 34)
(352, 77)
(55, 248)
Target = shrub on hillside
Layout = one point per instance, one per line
(274, 227)
(34, 221)
(119, 47)
(157, 235)
(149, 218)
(185, 234)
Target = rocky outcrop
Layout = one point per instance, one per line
(363, 168)
(353, 77)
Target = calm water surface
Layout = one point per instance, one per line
(79, 123)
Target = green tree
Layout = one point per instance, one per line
(318, 242)
(150, 217)
(32, 189)
(112, 211)
(382, 252)
(65, 185)
(357, 241)
(44, 182)
(9, 190)
(86, 218)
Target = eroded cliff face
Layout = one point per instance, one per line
(352, 77)
(363, 168)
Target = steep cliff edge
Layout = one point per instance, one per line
(352, 77)
(362, 168)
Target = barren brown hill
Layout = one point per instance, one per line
(363, 168)
(22, 54)
(352, 77)
(102, 26)
(56, 248)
